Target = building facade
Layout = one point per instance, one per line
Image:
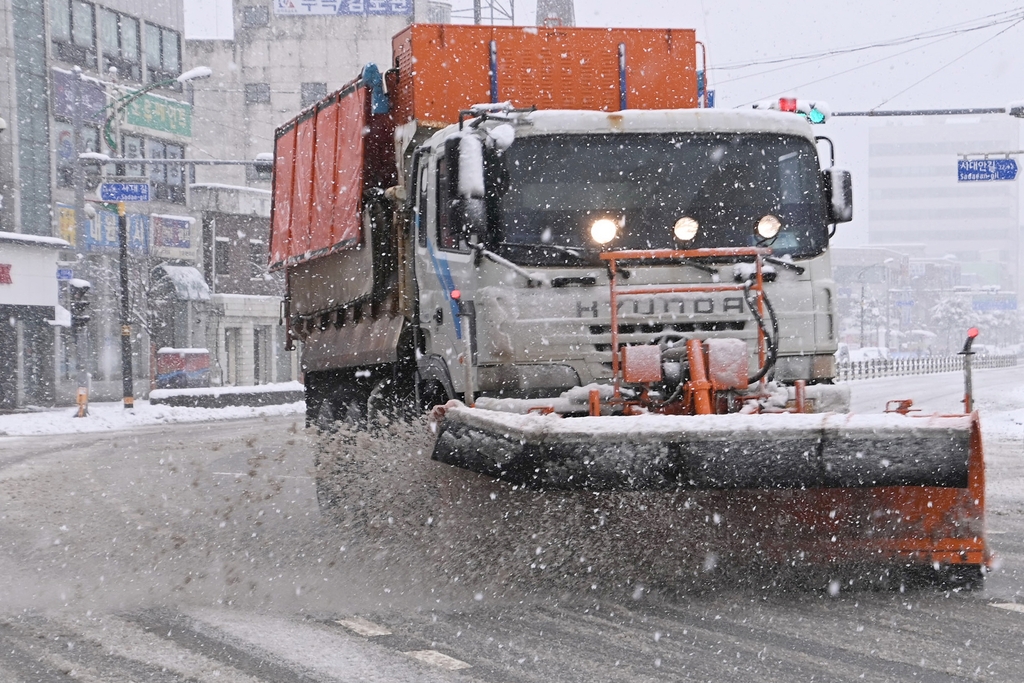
(28, 311)
(962, 237)
(270, 59)
(76, 72)
(916, 198)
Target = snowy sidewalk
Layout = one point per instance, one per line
(111, 416)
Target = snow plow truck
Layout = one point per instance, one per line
(595, 283)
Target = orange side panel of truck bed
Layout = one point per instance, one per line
(446, 68)
(319, 174)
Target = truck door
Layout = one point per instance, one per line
(444, 265)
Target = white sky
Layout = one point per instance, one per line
(747, 30)
(979, 68)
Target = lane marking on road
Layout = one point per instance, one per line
(363, 627)
(996, 533)
(1011, 606)
(438, 659)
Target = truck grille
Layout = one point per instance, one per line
(656, 328)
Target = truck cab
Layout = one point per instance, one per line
(511, 211)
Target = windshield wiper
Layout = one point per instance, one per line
(775, 260)
(711, 270)
(574, 252)
(531, 278)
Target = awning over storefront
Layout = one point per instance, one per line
(183, 283)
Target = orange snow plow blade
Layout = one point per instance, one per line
(828, 488)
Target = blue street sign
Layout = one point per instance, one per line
(124, 192)
(65, 274)
(986, 169)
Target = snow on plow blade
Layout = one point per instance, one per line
(768, 451)
(786, 487)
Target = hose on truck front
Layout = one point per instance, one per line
(771, 338)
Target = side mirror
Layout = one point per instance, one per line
(468, 206)
(838, 186)
(470, 215)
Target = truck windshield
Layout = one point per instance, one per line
(558, 185)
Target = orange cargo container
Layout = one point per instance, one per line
(443, 68)
(324, 160)
(329, 155)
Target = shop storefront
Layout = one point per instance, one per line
(29, 311)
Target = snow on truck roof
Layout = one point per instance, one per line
(554, 121)
(665, 121)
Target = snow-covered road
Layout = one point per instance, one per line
(195, 552)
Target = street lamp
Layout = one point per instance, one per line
(860, 278)
(116, 107)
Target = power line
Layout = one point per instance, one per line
(846, 71)
(954, 29)
(838, 73)
(882, 59)
(953, 61)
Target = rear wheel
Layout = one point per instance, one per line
(347, 405)
(968, 577)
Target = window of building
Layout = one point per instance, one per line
(133, 147)
(312, 93)
(119, 42)
(73, 32)
(222, 256)
(257, 93)
(255, 16)
(257, 258)
(167, 181)
(163, 53)
(65, 135)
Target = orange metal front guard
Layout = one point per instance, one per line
(910, 525)
(913, 524)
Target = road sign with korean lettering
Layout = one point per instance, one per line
(124, 192)
(986, 169)
(344, 7)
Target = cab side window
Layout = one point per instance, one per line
(449, 228)
(447, 236)
(421, 174)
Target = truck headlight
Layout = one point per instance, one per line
(686, 228)
(603, 230)
(769, 226)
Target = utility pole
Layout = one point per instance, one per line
(79, 290)
(127, 380)
(862, 312)
(78, 170)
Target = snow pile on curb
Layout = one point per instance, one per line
(111, 416)
(226, 391)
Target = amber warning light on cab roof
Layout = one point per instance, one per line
(813, 111)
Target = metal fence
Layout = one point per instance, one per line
(917, 366)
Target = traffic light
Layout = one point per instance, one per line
(264, 163)
(79, 290)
